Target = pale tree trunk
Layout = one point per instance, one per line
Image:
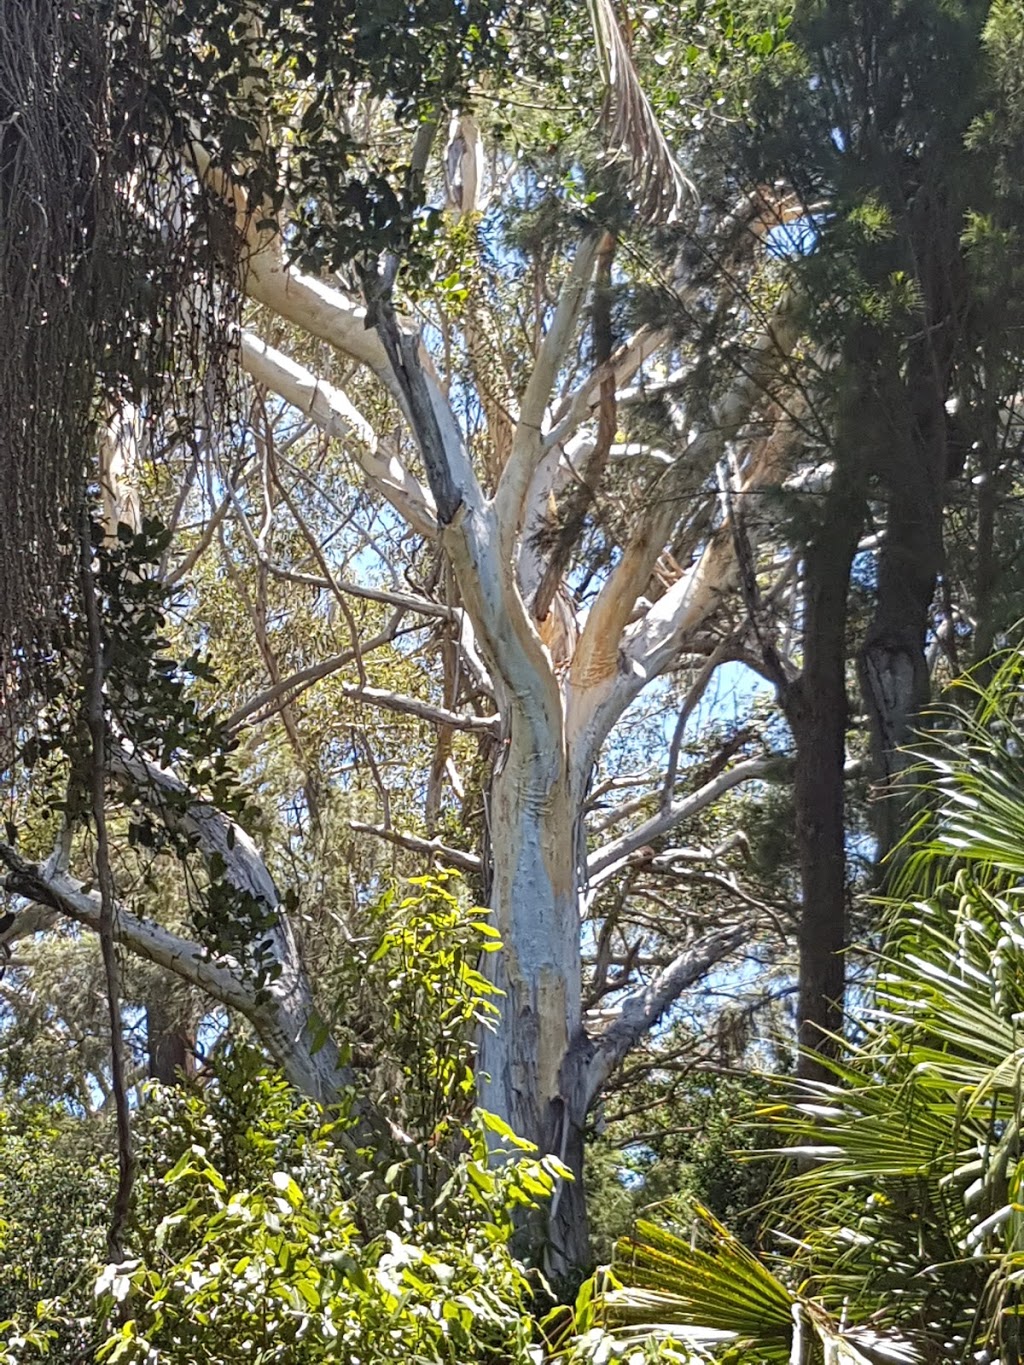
(540, 1070)
(523, 1071)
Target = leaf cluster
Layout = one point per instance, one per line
(262, 1242)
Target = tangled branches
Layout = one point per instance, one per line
(112, 272)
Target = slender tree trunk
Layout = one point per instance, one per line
(986, 574)
(816, 708)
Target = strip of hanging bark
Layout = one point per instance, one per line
(96, 721)
(403, 353)
(631, 127)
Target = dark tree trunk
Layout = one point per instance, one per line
(914, 472)
(170, 1041)
(893, 668)
(816, 708)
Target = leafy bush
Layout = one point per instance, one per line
(54, 1200)
(260, 1233)
(288, 1249)
(266, 1238)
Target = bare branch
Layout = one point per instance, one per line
(289, 688)
(609, 858)
(405, 601)
(189, 562)
(411, 706)
(325, 569)
(430, 848)
(641, 1009)
(608, 819)
(283, 1019)
(724, 652)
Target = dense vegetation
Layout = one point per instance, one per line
(510, 576)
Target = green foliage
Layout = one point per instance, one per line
(425, 968)
(261, 1242)
(236, 77)
(906, 1209)
(704, 1300)
(259, 1234)
(152, 708)
(695, 1141)
(54, 1200)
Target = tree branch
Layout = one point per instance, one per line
(431, 848)
(405, 601)
(608, 859)
(449, 472)
(289, 688)
(338, 418)
(611, 673)
(641, 1009)
(410, 706)
(274, 1014)
(528, 443)
(577, 406)
(318, 308)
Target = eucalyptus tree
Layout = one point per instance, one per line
(422, 260)
(262, 115)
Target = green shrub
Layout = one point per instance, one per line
(299, 1255)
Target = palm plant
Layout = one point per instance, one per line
(907, 1211)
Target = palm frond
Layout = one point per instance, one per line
(908, 1204)
(666, 1286)
(673, 1287)
(630, 125)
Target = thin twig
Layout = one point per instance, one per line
(96, 720)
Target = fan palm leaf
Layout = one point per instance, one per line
(909, 1197)
(665, 1285)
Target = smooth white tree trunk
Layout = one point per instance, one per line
(524, 1064)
